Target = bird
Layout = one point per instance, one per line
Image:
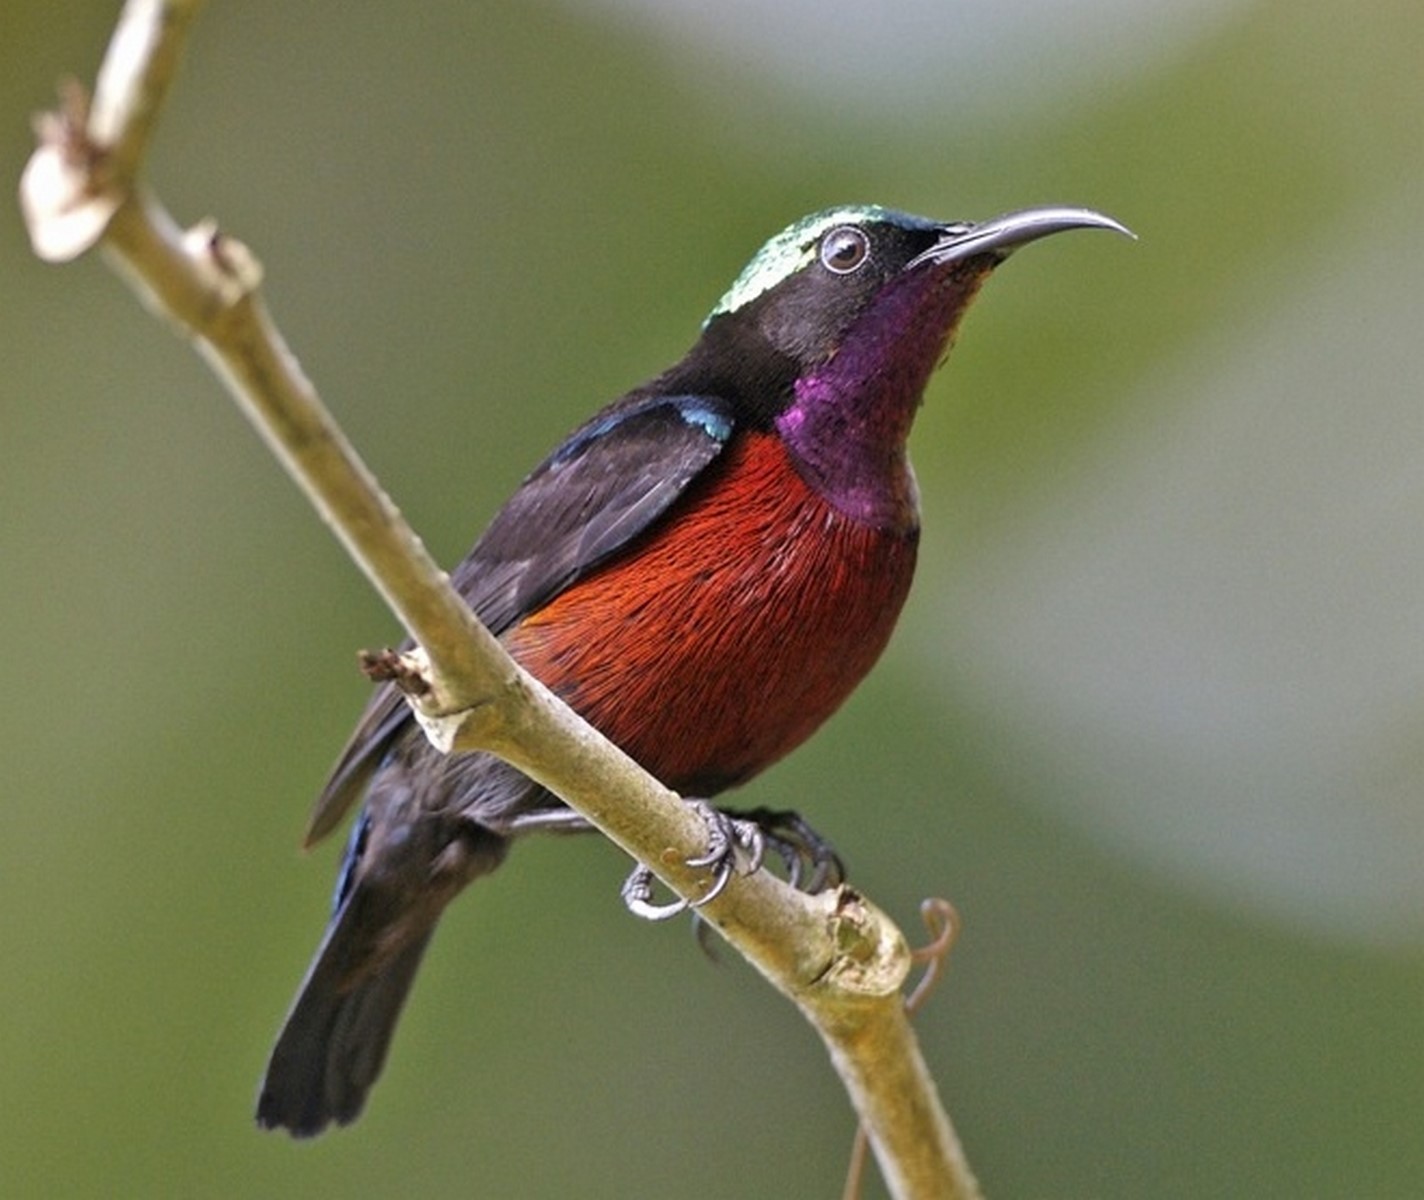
(704, 570)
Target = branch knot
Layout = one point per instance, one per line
(67, 192)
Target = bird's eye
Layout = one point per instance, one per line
(844, 249)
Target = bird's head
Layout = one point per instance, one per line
(831, 332)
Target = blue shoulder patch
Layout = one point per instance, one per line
(709, 415)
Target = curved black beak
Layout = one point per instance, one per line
(1001, 236)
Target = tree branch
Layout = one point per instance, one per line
(835, 955)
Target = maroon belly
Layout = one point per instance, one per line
(719, 642)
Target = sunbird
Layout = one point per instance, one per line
(704, 571)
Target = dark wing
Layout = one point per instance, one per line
(605, 485)
(610, 481)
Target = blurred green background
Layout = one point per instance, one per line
(1153, 718)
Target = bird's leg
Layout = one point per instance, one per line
(736, 841)
(733, 844)
(546, 820)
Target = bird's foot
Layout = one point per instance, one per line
(738, 841)
(733, 844)
(811, 862)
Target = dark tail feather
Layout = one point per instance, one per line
(406, 859)
(334, 1042)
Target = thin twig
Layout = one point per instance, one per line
(942, 920)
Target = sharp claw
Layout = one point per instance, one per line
(718, 853)
(720, 835)
(754, 844)
(719, 885)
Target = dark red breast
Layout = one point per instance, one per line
(720, 641)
